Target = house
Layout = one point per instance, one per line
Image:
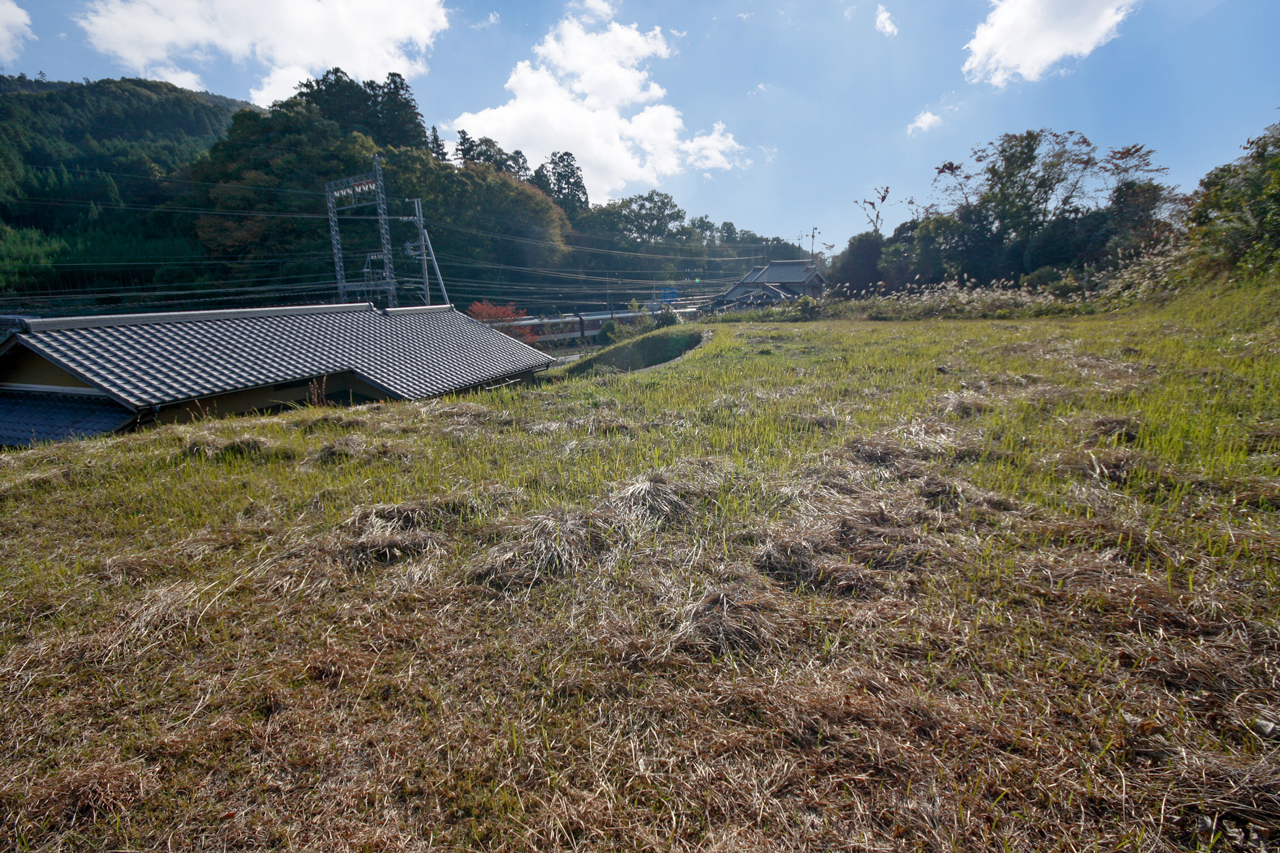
(780, 281)
(77, 376)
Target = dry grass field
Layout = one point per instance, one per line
(962, 585)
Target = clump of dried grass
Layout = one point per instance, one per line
(1122, 429)
(131, 568)
(1107, 465)
(253, 447)
(876, 540)
(331, 421)
(877, 451)
(732, 619)
(466, 414)
(654, 499)
(1101, 587)
(355, 447)
(548, 544)
(162, 612)
(796, 562)
(434, 511)
(383, 547)
(382, 534)
(1264, 437)
(84, 794)
(963, 405)
(1137, 545)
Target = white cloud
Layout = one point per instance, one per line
(1027, 37)
(494, 18)
(848, 12)
(599, 10)
(293, 39)
(589, 92)
(884, 22)
(15, 28)
(923, 122)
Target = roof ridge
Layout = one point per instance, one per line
(90, 322)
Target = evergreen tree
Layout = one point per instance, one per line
(561, 179)
(385, 112)
(436, 145)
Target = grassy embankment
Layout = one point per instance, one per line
(942, 585)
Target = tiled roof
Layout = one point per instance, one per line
(782, 272)
(26, 418)
(154, 359)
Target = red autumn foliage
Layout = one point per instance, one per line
(487, 312)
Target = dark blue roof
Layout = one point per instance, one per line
(26, 418)
(144, 360)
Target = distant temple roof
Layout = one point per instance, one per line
(783, 272)
(780, 281)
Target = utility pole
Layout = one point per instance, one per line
(813, 236)
(425, 253)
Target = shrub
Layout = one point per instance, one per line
(666, 317)
(1236, 216)
(488, 313)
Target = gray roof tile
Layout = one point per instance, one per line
(26, 418)
(155, 359)
(782, 272)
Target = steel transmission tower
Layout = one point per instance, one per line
(350, 193)
(361, 191)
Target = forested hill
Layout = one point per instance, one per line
(137, 195)
(69, 131)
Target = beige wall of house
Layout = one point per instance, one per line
(338, 387)
(23, 367)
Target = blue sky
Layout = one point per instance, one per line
(778, 116)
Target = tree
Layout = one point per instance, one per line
(561, 179)
(639, 219)
(490, 314)
(340, 99)
(436, 145)
(856, 269)
(1132, 163)
(1235, 216)
(465, 148)
(399, 123)
(385, 112)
